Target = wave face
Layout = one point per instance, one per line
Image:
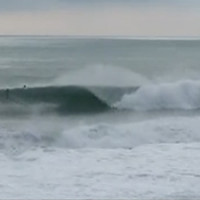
(181, 95)
(69, 99)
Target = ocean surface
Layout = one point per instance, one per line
(99, 118)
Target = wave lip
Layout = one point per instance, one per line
(181, 95)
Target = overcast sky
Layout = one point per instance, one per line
(100, 17)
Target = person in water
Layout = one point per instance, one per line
(7, 93)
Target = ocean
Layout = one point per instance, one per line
(95, 118)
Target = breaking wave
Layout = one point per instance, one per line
(62, 99)
(183, 95)
(70, 99)
(77, 99)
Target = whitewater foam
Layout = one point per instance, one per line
(183, 95)
(21, 137)
(169, 130)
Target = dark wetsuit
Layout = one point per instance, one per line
(7, 94)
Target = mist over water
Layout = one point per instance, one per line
(102, 75)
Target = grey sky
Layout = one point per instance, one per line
(21, 5)
(101, 17)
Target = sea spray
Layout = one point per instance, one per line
(183, 95)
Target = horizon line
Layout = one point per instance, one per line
(105, 36)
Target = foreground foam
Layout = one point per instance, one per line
(169, 130)
(18, 139)
(164, 171)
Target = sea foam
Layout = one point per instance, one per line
(102, 135)
(130, 135)
(183, 95)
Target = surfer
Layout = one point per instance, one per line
(7, 93)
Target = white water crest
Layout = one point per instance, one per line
(183, 95)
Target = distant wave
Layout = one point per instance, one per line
(183, 95)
